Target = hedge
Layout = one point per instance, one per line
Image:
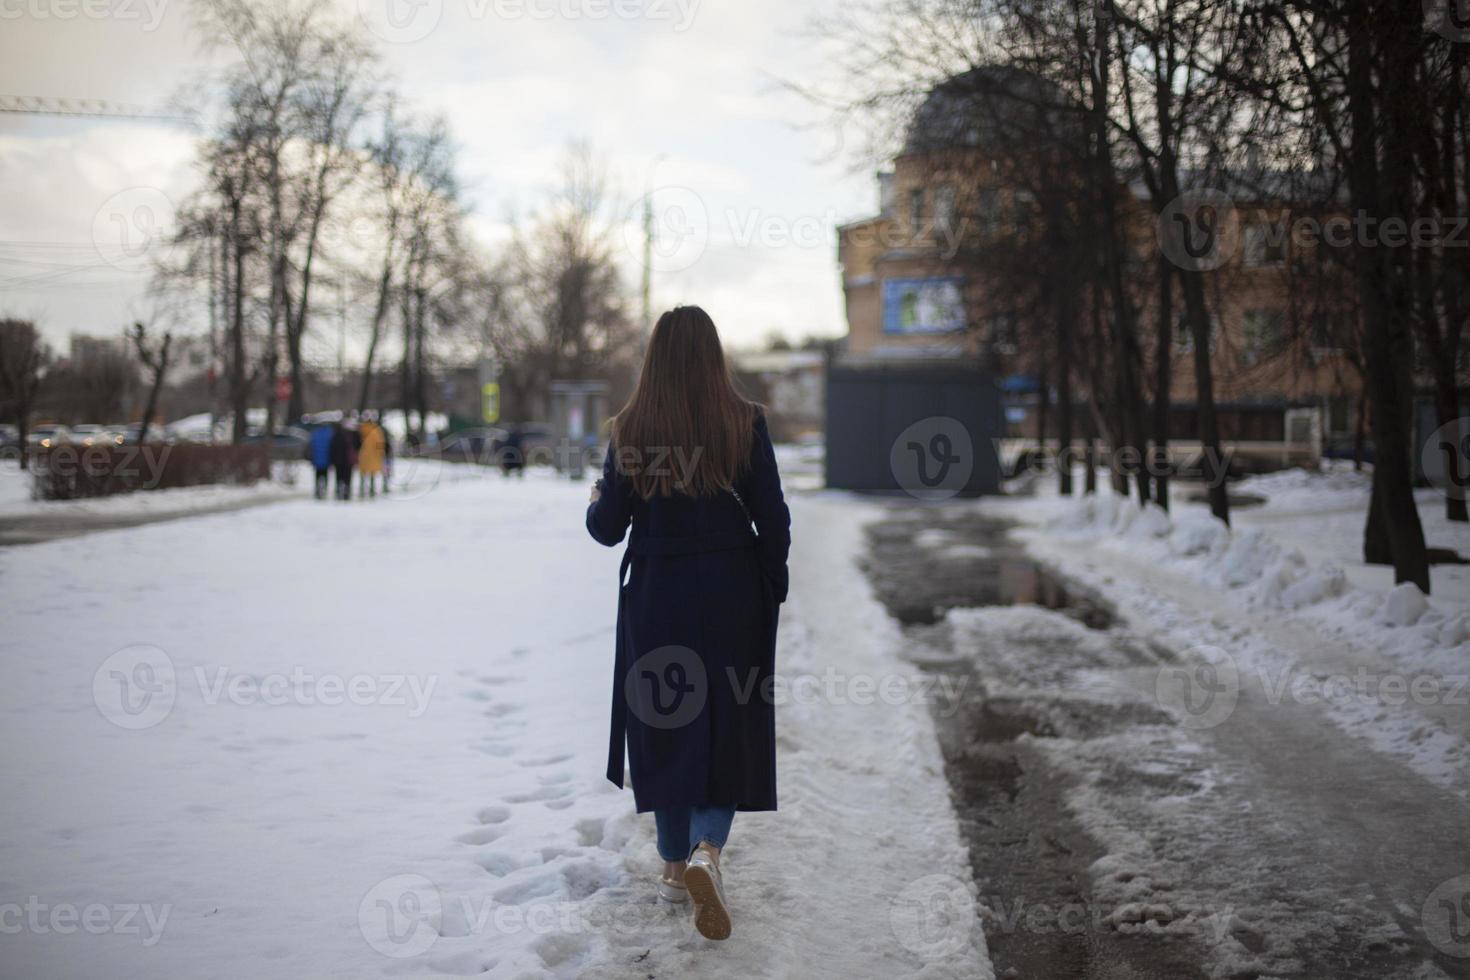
(70, 472)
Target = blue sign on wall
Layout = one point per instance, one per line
(923, 305)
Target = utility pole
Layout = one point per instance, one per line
(216, 297)
(648, 250)
(647, 266)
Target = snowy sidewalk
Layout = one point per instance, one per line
(27, 521)
(1305, 792)
(317, 740)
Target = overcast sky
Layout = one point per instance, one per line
(755, 192)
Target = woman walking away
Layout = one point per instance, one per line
(370, 457)
(691, 469)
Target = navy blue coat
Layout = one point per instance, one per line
(700, 590)
(321, 447)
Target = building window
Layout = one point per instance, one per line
(1265, 244)
(944, 208)
(1023, 206)
(987, 208)
(916, 209)
(1264, 332)
(1184, 335)
(1004, 333)
(1330, 332)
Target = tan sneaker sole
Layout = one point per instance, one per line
(711, 917)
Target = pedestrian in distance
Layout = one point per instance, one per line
(320, 453)
(344, 458)
(513, 453)
(690, 479)
(370, 457)
(387, 459)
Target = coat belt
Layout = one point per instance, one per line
(690, 544)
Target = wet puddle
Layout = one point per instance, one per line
(924, 563)
(1029, 859)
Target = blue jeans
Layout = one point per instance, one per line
(683, 828)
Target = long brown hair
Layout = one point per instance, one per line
(685, 429)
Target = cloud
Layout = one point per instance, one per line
(516, 91)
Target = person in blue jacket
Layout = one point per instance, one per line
(321, 457)
(690, 478)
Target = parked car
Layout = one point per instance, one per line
(90, 434)
(9, 436)
(537, 439)
(473, 445)
(46, 436)
(286, 442)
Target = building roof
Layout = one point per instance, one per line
(981, 106)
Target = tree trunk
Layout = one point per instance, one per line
(1212, 455)
(1042, 410)
(1360, 433)
(1163, 379)
(380, 314)
(1064, 397)
(160, 371)
(239, 386)
(1382, 193)
(1447, 413)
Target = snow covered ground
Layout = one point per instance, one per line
(322, 740)
(1285, 773)
(1284, 596)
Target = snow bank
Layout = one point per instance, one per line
(368, 740)
(1264, 573)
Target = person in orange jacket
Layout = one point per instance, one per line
(370, 456)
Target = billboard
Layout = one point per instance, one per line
(919, 306)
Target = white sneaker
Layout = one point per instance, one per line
(670, 890)
(702, 879)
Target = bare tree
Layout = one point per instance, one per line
(393, 177)
(330, 107)
(23, 360)
(1352, 70)
(154, 356)
(565, 306)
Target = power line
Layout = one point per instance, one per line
(41, 105)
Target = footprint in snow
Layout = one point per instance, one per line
(560, 951)
(493, 814)
(591, 832)
(481, 835)
(466, 964)
(543, 885)
(503, 863)
(586, 878)
(539, 795)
